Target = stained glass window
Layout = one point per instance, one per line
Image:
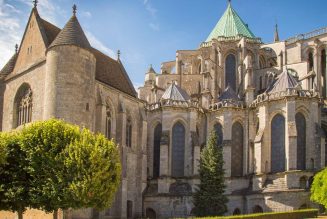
(278, 144)
(23, 104)
(230, 71)
(108, 123)
(301, 140)
(219, 131)
(129, 133)
(156, 150)
(237, 150)
(178, 150)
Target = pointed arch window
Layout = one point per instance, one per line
(301, 141)
(237, 150)
(178, 150)
(278, 144)
(156, 150)
(23, 105)
(129, 132)
(219, 132)
(108, 122)
(230, 71)
(310, 61)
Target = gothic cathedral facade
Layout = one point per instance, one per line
(266, 102)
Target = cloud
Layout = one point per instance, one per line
(86, 14)
(154, 27)
(99, 45)
(10, 31)
(148, 6)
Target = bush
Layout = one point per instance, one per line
(298, 214)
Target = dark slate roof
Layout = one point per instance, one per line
(71, 34)
(9, 67)
(151, 70)
(174, 92)
(228, 94)
(284, 80)
(112, 72)
(51, 31)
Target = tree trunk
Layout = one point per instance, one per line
(55, 214)
(20, 214)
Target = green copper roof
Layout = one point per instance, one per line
(230, 25)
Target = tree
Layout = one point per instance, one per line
(69, 168)
(209, 198)
(15, 179)
(44, 144)
(319, 188)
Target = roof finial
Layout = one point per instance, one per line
(16, 48)
(118, 54)
(276, 35)
(35, 3)
(74, 9)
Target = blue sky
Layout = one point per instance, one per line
(150, 31)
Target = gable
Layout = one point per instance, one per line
(33, 44)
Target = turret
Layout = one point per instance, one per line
(150, 76)
(70, 76)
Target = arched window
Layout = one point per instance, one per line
(237, 150)
(301, 141)
(323, 72)
(219, 132)
(156, 150)
(278, 144)
(230, 71)
(237, 211)
(129, 132)
(257, 209)
(262, 62)
(23, 105)
(303, 182)
(178, 150)
(108, 123)
(150, 213)
(310, 61)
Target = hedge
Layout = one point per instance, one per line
(298, 214)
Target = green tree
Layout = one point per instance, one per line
(209, 198)
(15, 179)
(69, 168)
(44, 144)
(319, 188)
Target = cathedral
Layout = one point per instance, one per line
(265, 101)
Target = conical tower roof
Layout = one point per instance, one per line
(230, 25)
(174, 92)
(228, 94)
(151, 70)
(284, 80)
(72, 34)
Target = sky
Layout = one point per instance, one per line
(151, 31)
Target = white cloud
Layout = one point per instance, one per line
(99, 45)
(10, 31)
(148, 6)
(86, 14)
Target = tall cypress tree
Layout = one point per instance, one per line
(209, 198)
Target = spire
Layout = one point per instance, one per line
(118, 54)
(151, 70)
(35, 3)
(276, 35)
(230, 25)
(74, 10)
(72, 34)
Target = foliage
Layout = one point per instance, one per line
(209, 198)
(304, 213)
(15, 179)
(44, 143)
(95, 169)
(3, 148)
(319, 188)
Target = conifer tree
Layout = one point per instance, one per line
(209, 198)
